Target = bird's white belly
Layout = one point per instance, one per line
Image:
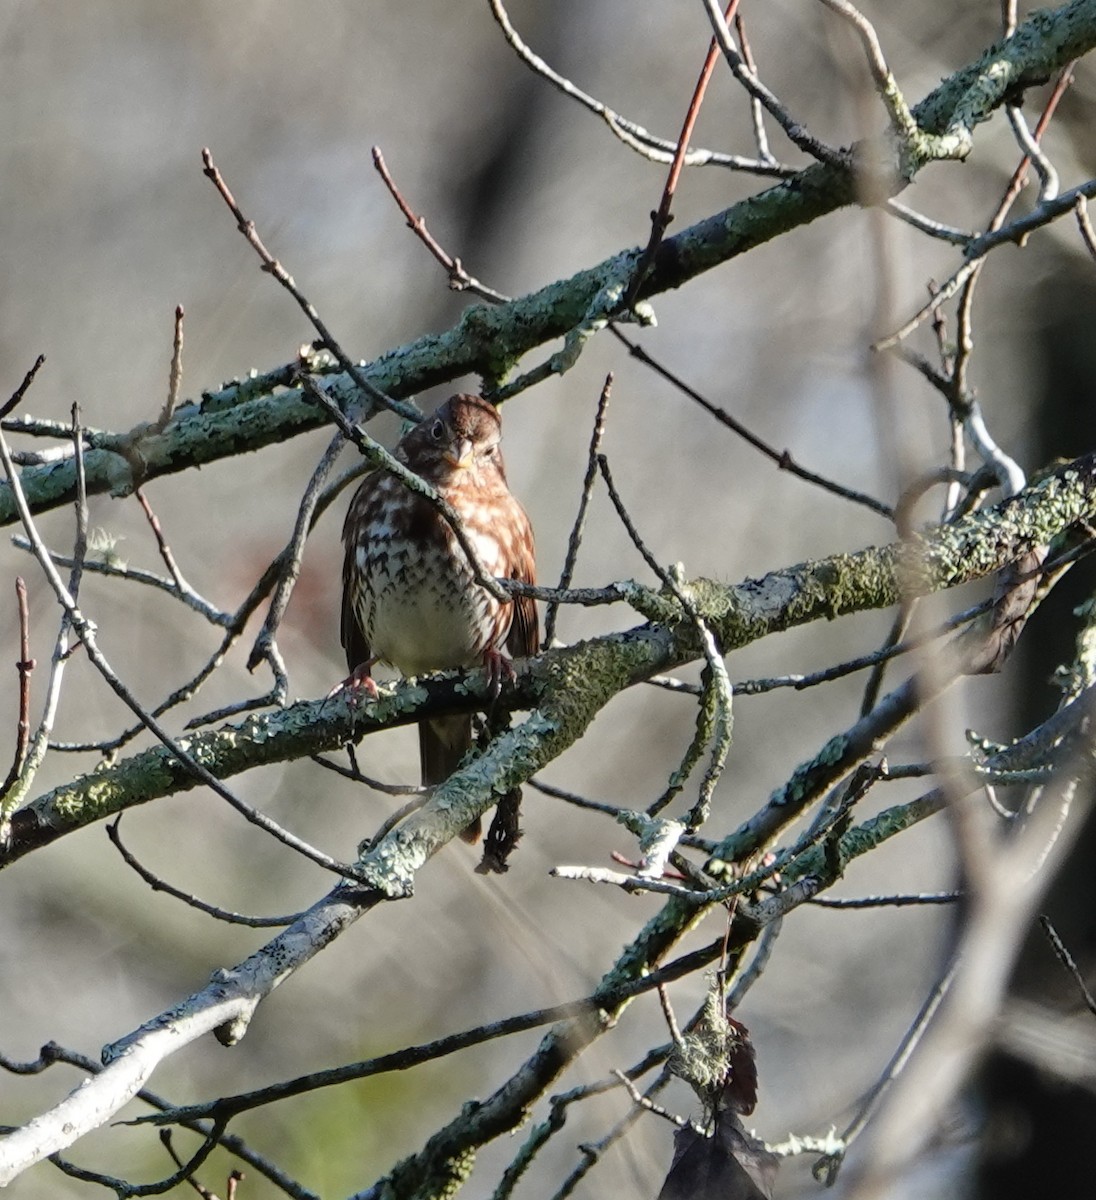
(420, 621)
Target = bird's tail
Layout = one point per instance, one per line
(443, 742)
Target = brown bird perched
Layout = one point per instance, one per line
(410, 597)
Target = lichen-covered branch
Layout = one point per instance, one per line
(489, 341)
(565, 688)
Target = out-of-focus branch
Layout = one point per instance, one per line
(999, 909)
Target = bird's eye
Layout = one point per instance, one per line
(437, 430)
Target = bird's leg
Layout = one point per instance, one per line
(498, 669)
(359, 680)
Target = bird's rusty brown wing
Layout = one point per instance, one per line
(523, 640)
(350, 630)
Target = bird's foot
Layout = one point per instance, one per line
(358, 681)
(499, 669)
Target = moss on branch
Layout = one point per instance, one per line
(566, 688)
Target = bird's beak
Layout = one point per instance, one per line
(460, 455)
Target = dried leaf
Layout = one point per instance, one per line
(729, 1165)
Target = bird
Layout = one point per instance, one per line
(410, 596)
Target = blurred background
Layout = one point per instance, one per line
(106, 224)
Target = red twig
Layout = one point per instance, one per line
(161, 541)
(661, 217)
(459, 278)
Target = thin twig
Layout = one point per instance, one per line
(175, 377)
(181, 585)
(201, 1189)
(459, 279)
(1088, 235)
(757, 113)
(936, 229)
(795, 132)
(273, 267)
(1008, 17)
(647, 1104)
(80, 540)
(718, 693)
(575, 538)
(782, 458)
(118, 570)
(656, 149)
(159, 885)
(1048, 177)
(24, 667)
(756, 687)
(16, 398)
(376, 785)
(895, 635)
(669, 1016)
(292, 556)
(1066, 959)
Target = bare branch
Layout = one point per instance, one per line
(782, 458)
(159, 885)
(273, 267)
(459, 279)
(632, 135)
(24, 667)
(795, 132)
(574, 540)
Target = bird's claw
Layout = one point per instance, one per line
(499, 669)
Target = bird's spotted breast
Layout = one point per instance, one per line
(416, 597)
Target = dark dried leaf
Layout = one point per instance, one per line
(740, 1090)
(729, 1165)
(503, 836)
